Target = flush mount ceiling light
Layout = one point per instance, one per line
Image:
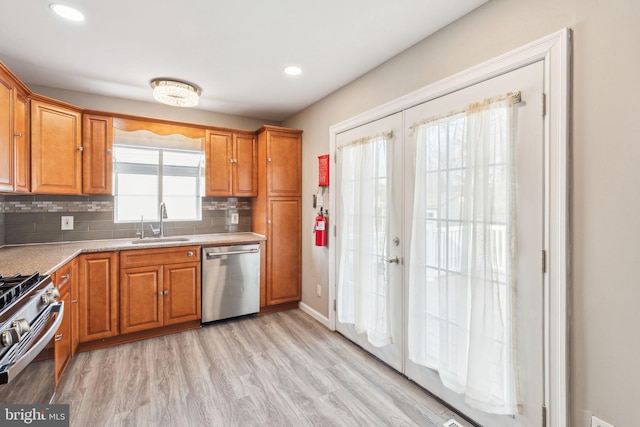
(67, 12)
(175, 92)
(293, 71)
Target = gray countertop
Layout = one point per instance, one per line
(49, 257)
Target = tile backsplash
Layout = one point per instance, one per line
(37, 219)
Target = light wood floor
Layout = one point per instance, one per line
(282, 369)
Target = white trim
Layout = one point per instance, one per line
(315, 314)
(555, 51)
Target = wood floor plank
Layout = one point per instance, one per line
(281, 369)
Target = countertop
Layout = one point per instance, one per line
(46, 258)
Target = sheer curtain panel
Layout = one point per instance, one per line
(365, 183)
(461, 286)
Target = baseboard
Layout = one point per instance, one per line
(313, 313)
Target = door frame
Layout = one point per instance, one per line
(555, 51)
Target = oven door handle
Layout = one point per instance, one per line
(9, 372)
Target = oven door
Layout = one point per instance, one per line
(23, 380)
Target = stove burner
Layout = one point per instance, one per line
(11, 288)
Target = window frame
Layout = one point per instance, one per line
(161, 171)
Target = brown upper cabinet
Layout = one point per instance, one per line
(56, 150)
(14, 134)
(284, 160)
(97, 161)
(231, 163)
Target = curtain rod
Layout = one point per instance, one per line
(386, 134)
(513, 97)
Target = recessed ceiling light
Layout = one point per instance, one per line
(67, 12)
(293, 71)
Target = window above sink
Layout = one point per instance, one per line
(150, 168)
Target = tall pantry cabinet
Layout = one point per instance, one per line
(276, 213)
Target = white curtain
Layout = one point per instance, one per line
(364, 183)
(463, 244)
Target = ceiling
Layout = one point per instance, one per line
(234, 50)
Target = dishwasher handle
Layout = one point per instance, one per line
(210, 255)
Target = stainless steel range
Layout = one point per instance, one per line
(29, 318)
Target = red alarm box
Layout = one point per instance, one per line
(323, 170)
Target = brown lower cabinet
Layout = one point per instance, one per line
(98, 296)
(159, 287)
(65, 340)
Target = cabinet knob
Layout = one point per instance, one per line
(166, 292)
(268, 221)
(81, 148)
(269, 159)
(190, 253)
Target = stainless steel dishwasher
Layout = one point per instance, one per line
(230, 281)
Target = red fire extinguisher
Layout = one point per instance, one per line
(320, 229)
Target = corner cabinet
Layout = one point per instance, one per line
(66, 281)
(276, 213)
(231, 164)
(56, 149)
(14, 134)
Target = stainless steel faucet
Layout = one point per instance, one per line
(163, 216)
(159, 232)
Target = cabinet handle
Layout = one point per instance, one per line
(59, 337)
(75, 301)
(18, 134)
(66, 276)
(109, 150)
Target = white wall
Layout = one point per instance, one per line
(605, 347)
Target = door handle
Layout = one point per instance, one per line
(393, 260)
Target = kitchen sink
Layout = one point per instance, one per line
(160, 240)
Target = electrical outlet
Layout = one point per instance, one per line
(319, 290)
(67, 223)
(235, 218)
(597, 422)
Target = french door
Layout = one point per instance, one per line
(397, 238)
(369, 230)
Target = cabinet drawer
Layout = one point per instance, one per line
(146, 257)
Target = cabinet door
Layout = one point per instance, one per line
(98, 296)
(6, 133)
(22, 146)
(63, 337)
(182, 288)
(219, 155)
(75, 306)
(140, 299)
(284, 160)
(97, 162)
(283, 250)
(56, 162)
(245, 171)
